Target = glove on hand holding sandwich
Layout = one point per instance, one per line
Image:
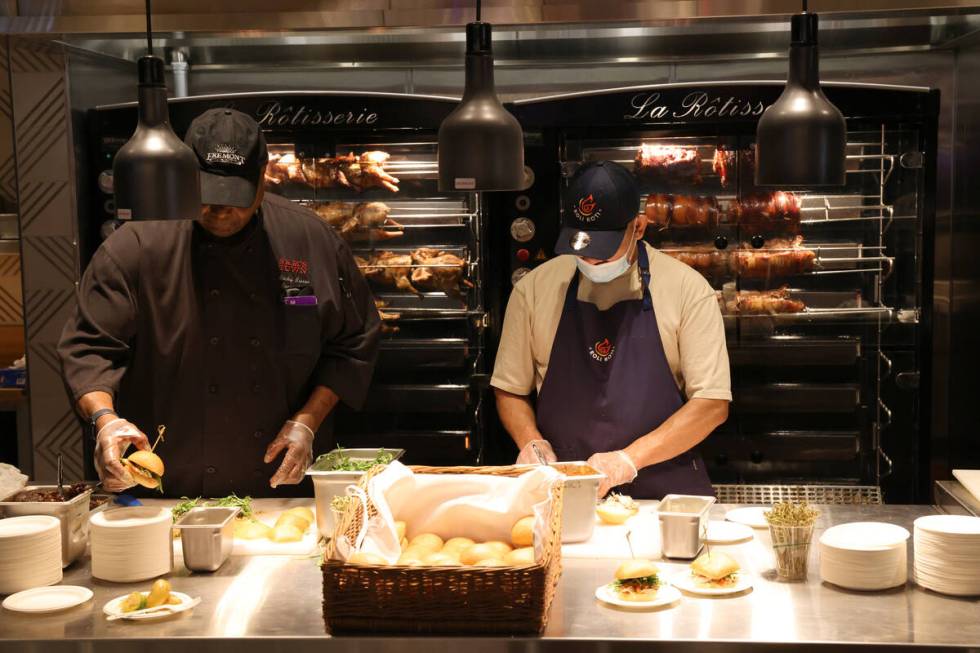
(118, 474)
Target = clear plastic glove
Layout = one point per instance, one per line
(111, 443)
(616, 465)
(528, 457)
(297, 440)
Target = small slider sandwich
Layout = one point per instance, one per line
(636, 580)
(715, 569)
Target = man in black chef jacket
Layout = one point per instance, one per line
(239, 331)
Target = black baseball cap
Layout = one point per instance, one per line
(232, 153)
(601, 200)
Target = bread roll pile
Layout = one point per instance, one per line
(429, 550)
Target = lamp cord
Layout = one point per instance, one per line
(149, 30)
(477, 10)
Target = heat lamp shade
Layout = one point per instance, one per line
(801, 138)
(801, 141)
(481, 145)
(156, 177)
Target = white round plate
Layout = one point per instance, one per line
(27, 526)
(685, 581)
(111, 609)
(753, 517)
(47, 599)
(667, 595)
(727, 532)
(864, 536)
(949, 525)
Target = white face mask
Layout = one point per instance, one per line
(606, 272)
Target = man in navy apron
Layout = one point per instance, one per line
(624, 345)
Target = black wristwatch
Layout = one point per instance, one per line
(94, 417)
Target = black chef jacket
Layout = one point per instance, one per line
(192, 331)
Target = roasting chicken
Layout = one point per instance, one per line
(283, 168)
(777, 212)
(668, 163)
(389, 319)
(780, 258)
(723, 164)
(389, 270)
(347, 171)
(666, 211)
(439, 271)
(350, 171)
(356, 222)
(760, 302)
(425, 269)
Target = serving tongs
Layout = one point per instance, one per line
(61, 478)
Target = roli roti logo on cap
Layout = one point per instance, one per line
(586, 209)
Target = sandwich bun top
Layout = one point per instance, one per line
(148, 461)
(637, 568)
(715, 565)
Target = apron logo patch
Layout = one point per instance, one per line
(602, 351)
(586, 209)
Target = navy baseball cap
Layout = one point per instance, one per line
(232, 153)
(602, 199)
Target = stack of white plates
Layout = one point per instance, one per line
(131, 544)
(864, 555)
(30, 552)
(947, 554)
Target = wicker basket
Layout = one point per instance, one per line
(447, 600)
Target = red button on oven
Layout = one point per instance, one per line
(523, 255)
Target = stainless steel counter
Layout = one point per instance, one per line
(273, 604)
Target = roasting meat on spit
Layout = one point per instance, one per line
(671, 163)
(439, 270)
(346, 171)
(389, 319)
(665, 211)
(350, 171)
(768, 212)
(359, 221)
(389, 270)
(706, 259)
(425, 269)
(760, 302)
(283, 168)
(780, 258)
(723, 164)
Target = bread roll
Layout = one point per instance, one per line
(502, 548)
(457, 544)
(478, 552)
(522, 534)
(286, 533)
(520, 557)
(302, 512)
(429, 541)
(400, 527)
(440, 560)
(491, 562)
(365, 558)
(294, 520)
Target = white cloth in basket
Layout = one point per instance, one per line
(478, 506)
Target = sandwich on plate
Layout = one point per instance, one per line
(636, 580)
(715, 570)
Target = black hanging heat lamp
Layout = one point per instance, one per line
(481, 145)
(801, 138)
(154, 175)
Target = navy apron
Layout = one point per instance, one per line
(608, 383)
